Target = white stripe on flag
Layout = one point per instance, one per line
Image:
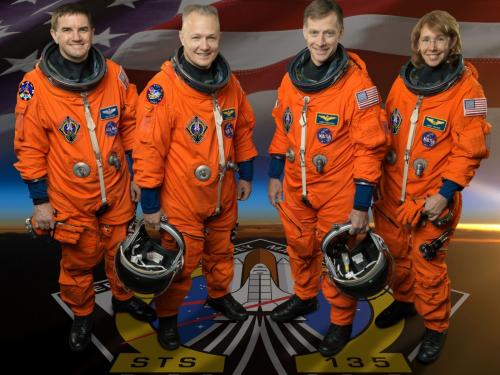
(147, 50)
(475, 107)
(367, 98)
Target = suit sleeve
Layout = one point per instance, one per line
(369, 136)
(280, 142)
(128, 113)
(469, 141)
(31, 143)
(152, 140)
(243, 138)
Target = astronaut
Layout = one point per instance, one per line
(330, 140)
(195, 129)
(437, 113)
(75, 121)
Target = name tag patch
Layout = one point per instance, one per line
(327, 119)
(228, 114)
(108, 112)
(434, 123)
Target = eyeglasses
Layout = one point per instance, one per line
(440, 41)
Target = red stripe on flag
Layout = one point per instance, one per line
(273, 15)
(383, 69)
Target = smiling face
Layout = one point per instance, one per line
(322, 37)
(434, 46)
(73, 34)
(200, 37)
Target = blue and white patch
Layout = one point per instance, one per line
(228, 114)
(324, 135)
(429, 139)
(287, 119)
(327, 119)
(69, 128)
(154, 93)
(396, 120)
(196, 129)
(228, 130)
(108, 112)
(111, 128)
(26, 90)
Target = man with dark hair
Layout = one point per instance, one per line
(75, 121)
(330, 141)
(195, 129)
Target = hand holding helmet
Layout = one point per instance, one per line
(360, 269)
(143, 265)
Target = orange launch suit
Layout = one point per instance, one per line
(452, 145)
(43, 151)
(358, 145)
(167, 154)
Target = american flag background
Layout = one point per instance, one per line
(258, 40)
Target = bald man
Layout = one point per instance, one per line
(195, 128)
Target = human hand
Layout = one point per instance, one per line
(135, 192)
(152, 221)
(275, 191)
(243, 190)
(359, 221)
(43, 216)
(434, 205)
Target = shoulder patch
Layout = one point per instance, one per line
(475, 107)
(434, 123)
(122, 77)
(367, 98)
(26, 90)
(396, 120)
(154, 94)
(327, 119)
(69, 128)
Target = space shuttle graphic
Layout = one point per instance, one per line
(262, 279)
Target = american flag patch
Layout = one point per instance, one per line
(367, 98)
(123, 78)
(475, 107)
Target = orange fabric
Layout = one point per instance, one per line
(410, 212)
(417, 280)
(358, 146)
(78, 261)
(457, 146)
(215, 251)
(42, 149)
(304, 238)
(166, 155)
